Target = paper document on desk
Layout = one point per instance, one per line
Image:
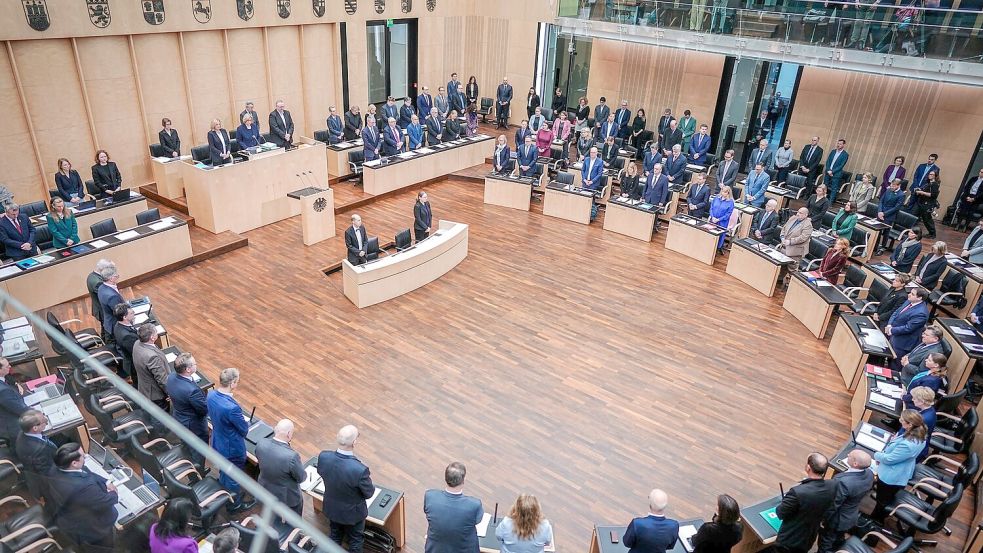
(142, 308)
(160, 330)
(870, 442)
(170, 356)
(963, 331)
(10, 270)
(371, 500)
(14, 323)
(98, 243)
(14, 346)
(686, 534)
(482, 527)
(976, 348)
(373, 163)
(406, 155)
(127, 235)
(874, 338)
(425, 151)
(162, 224)
(24, 332)
(890, 390)
(344, 144)
(44, 259)
(311, 480)
(823, 282)
(882, 400)
(140, 319)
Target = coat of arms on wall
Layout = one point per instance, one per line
(431, 5)
(153, 11)
(406, 5)
(36, 12)
(202, 10)
(351, 6)
(245, 9)
(283, 8)
(99, 12)
(380, 6)
(318, 6)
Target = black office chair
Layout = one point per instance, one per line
(27, 529)
(156, 150)
(938, 475)
(201, 154)
(826, 222)
(856, 544)
(952, 293)
(103, 228)
(814, 256)
(158, 454)
(915, 514)
(86, 338)
(148, 216)
(904, 185)
(871, 210)
(248, 534)
(268, 137)
(954, 435)
(618, 164)
(903, 221)
(797, 184)
(858, 242)
(484, 108)
(118, 429)
(91, 189)
(853, 281)
(737, 191)
(356, 159)
(34, 208)
(563, 177)
(403, 240)
(43, 238)
(547, 113)
(206, 494)
(322, 136)
(54, 193)
(949, 403)
(878, 291)
(372, 250)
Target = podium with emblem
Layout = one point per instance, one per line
(316, 213)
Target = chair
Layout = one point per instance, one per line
(877, 291)
(12, 474)
(485, 108)
(954, 435)
(118, 429)
(902, 221)
(952, 293)
(826, 222)
(322, 136)
(856, 544)
(201, 154)
(102, 228)
(356, 159)
(858, 242)
(796, 183)
(949, 403)
(34, 208)
(853, 281)
(268, 137)
(91, 189)
(158, 454)
(206, 494)
(148, 216)
(563, 177)
(22, 529)
(156, 150)
(547, 113)
(871, 210)
(372, 248)
(813, 257)
(87, 338)
(915, 514)
(54, 193)
(248, 534)
(42, 237)
(938, 475)
(618, 164)
(403, 239)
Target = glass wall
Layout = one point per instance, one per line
(399, 60)
(567, 67)
(375, 39)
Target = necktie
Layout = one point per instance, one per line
(812, 150)
(976, 238)
(282, 118)
(795, 223)
(16, 224)
(907, 307)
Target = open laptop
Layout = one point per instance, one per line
(121, 195)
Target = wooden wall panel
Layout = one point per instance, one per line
(162, 81)
(431, 68)
(249, 79)
(285, 77)
(453, 49)
(319, 70)
(209, 82)
(19, 168)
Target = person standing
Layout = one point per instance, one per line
(347, 484)
(169, 140)
(804, 507)
(723, 532)
(105, 175)
(17, 233)
(188, 404)
(250, 110)
(503, 95)
(370, 140)
(84, 503)
(422, 216)
(280, 469)
(353, 123)
(653, 533)
(150, 366)
(92, 283)
(229, 429)
(896, 463)
(219, 144)
(532, 102)
(451, 515)
(687, 126)
(851, 488)
(281, 126)
(36, 452)
(809, 160)
(62, 224)
(336, 127)
(109, 296)
(905, 326)
(12, 405)
(524, 529)
(835, 164)
(355, 240)
(125, 335)
(924, 199)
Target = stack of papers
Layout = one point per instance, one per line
(44, 258)
(127, 235)
(482, 527)
(13, 346)
(874, 337)
(162, 224)
(373, 163)
(890, 390)
(98, 243)
(10, 270)
(312, 481)
(882, 400)
(963, 331)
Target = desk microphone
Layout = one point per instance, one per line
(495, 516)
(252, 414)
(781, 490)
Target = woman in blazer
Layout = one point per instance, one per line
(453, 130)
(248, 133)
(415, 132)
(471, 119)
(629, 182)
(835, 259)
(559, 104)
(721, 208)
(62, 224)
(502, 158)
(584, 144)
(895, 297)
(907, 250)
(844, 222)
(219, 145)
(817, 204)
(637, 128)
(931, 266)
(544, 140)
(894, 171)
(471, 90)
(105, 174)
(69, 182)
(863, 192)
(173, 534)
(933, 377)
(896, 463)
(723, 532)
(169, 140)
(583, 113)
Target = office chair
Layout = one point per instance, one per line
(156, 150)
(858, 242)
(356, 159)
(91, 189)
(87, 338)
(547, 112)
(954, 435)
(118, 429)
(877, 291)
(158, 454)
(205, 493)
(54, 193)
(872, 209)
(485, 108)
(856, 544)
(403, 240)
(826, 222)
(12, 473)
(738, 191)
(148, 216)
(43, 238)
(201, 154)
(322, 136)
(103, 228)
(915, 515)
(250, 532)
(268, 137)
(372, 250)
(34, 208)
(938, 475)
(853, 282)
(24, 528)
(814, 256)
(796, 183)
(949, 403)
(101, 389)
(902, 221)
(952, 292)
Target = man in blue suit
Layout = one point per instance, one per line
(109, 297)
(699, 146)
(370, 139)
(652, 156)
(451, 515)
(698, 199)
(84, 503)
(906, 324)
(757, 184)
(674, 165)
(526, 157)
(188, 404)
(392, 139)
(229, 429)
(609, 128)
(12, 405)
(622, 117)
(17, 233)
(656, 187)
(923, 169)
(336, 127)
(390, 109)
(347, 484)
(834, 169)
(887, 210)
(592, 171)
(406, 113)
(424, 102)
(761, 155)
(653, 533)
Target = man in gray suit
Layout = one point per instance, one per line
(726, 171)
(280, 469)
(852, 487)
(150, 366)
(914, 362)
(451, 515)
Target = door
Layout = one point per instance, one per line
(392, 59)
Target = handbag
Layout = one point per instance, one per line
(378, 541)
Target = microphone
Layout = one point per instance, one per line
(495, 516)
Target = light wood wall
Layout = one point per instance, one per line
(882, 117)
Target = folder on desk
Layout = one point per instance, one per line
(771, 517)
(879, 371)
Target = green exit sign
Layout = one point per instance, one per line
(389, 23)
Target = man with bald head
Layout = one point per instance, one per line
(347, 485)
(653, 533)
(280, 469)
(804, 508)
(851, 487)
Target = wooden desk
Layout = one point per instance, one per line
(780, 195)
(112, 461)
(693, 238)
(512, 191)
(862, 409)
(967, 350)
(337, 155)
(849, 352)
(400, 273)
(874, 228)
(758, 269)
(746, 217)
(812, 304)
(757, 532)
(124, 214)
(974, 284)
(395, 173)
(573, 204)
(600, 541)
(675, 191)
(167, 176)
(630, 220)
(250, 194)
(61, 280)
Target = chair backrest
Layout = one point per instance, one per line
(234, 145)
(547, 113)
(247, 535)
(267, 137)
(738, 191)
(148, 216)
(486, 103)
(904, 185)
(102, 228)
(34, 208)
(53, 193)
(618, 163)
(403, 240)
(711, 158)
(905, 220)
(954, 281)
(855, 276)
(817, 248)
(537, 170)
(859, 237)
(372, 247)
(176, 488)
(42, 236)
(878, 290)
(564, 177)
(950, 402)
(156, 150)
(90, 188)
(967, 471)
(968, 423)
(201, 153)
(147, 460)
(321, 136)
(356, 156)
(795, 182)
(827, 220)
(871, 209)
(944, 510)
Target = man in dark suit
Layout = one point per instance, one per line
(229, 429)
(759, 155)
(390, 109)
(150, 366)
(84, 503)
(451, 515)
(699, 146)
(851, 488)
(336, 127)
(835, 164)
(392, 138)
(914, 362)
(653, 533)
(371, 142)
(347, 484)
(888, 207)
(250, 110)
(92, 283)
(424, 102)
(188, 404)
(526, 157)
(665, 120)
(623, 118)
(353, 123)
(12, 405)
(503, 95)
(435, 129)
(764, 227)
(355, 240)
(672, 137)
(656, 187)
(17, 233)
(406, 113)
(674, 165)
(280, 469)
(281, 126)
(457, 99)
(422, 216)
(726, 171)
(36, 452)
(804, 507)
(125, 336)
(809, 160)
(905, 326)
(698, 198)
(109, 296)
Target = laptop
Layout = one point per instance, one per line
(83, 206)
(121, 195)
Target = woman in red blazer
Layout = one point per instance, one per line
(834, 260)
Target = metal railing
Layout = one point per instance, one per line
(270, 505)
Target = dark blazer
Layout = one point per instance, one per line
(769, 228)
(851, 488)
(92, 283)
(424, 103)
(188, 405)
(370, 143)
(801, 511)
(664, 123)
(650, 159)
(352, 123)
(12, 406)
(656, 189)
(532, 102)
(422, 216)
(69, 186)
(347, 484)
(699, 198)
(435, 130)
(405, 115)
(14, 239)
(933, 270)
(248, 138)
(651, 534)
(108, 298)
(906, 327)
(698, 147)
(714, 537)
(106, 178)
(387, 112)
(216, 148)
(601, 112)
(726, 173)
(890, 204)
(817, 208)
(757, 156)
(631, 186)
(837, 168)
(811, 162)
(126, 337)
(674, 169)
(457, 102)
(242, 116)
(351, 242)
(452, 130)
(392, 141)
(280, 471)
(451, 520)
(279, 130)
(336, 129)
(170, 141)
(905, 257)
(671, 138)
(890, 303)
(502, 158)
(37, 455)
(84, 509)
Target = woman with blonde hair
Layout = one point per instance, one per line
(62, 224)
(524, 530)
(863, 192)
(219, 144)
(931, 266)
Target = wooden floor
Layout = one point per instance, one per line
(558, 359)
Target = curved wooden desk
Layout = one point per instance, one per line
(400, 273)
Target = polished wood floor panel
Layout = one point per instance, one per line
(557, 359)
